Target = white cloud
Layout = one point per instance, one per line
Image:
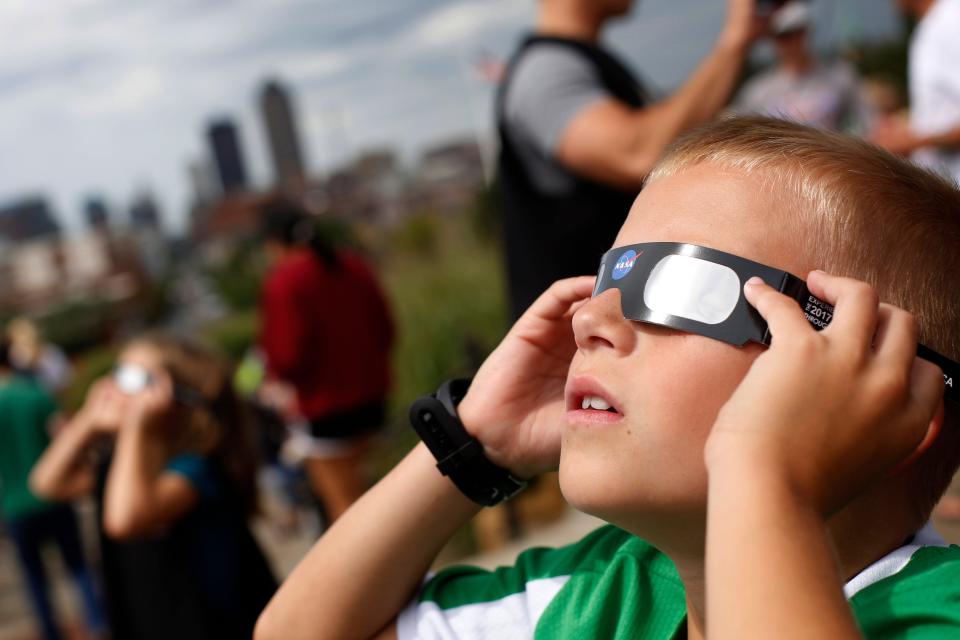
(459, 22)
(111, 95)
(134, 90)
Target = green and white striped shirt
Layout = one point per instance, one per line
(613, 585)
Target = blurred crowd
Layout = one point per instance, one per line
(174, 445)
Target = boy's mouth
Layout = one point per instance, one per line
(597, 403)
(586, 394)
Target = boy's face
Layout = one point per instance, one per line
(642, 467)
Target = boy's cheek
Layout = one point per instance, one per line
(654, 459)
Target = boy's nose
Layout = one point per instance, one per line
(600, 324)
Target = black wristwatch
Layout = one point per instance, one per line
(459, 456)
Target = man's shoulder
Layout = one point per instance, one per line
(546, 61)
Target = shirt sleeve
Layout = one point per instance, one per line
(550, 86)
(921, 601)
(284, 328)
(749, 100)
(468, 603)
(196, 470)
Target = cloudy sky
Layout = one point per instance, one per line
(111, 97)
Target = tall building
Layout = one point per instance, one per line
(27, 219)
(144, 213)
(203, 181)
(96, 214)
(225, 146)
(280, 123)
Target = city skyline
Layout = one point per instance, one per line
(110, 99)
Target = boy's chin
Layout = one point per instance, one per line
(625, 501)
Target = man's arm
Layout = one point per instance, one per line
(949, 139)
(896, 136)
(361, 573)
(284, 330)
(616, 144)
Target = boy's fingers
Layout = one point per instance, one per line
(556, 301)
(855, 307)
(896, 339)
(926, 385)
(782, 313)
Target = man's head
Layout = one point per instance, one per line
(789, 26)
(598, 11)
(783, 195)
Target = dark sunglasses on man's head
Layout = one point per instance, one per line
(700, 290)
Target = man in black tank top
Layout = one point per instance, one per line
(578, 136)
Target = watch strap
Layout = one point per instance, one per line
(459, 456)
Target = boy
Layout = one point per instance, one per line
(625, 409)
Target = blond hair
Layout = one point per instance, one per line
(857, 211)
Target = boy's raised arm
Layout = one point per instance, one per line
(361, 573)
(367, 566)
(818, 418)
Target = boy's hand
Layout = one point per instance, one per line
(828, 412)
(515, 404)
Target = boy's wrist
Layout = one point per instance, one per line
(756, 485)
(459, 454)
(759, 478)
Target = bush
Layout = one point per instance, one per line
(233, 335)
(86, 369)
(450, 311)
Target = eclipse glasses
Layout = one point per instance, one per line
(131, 379)
(700, 290)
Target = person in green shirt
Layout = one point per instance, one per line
(26, 413)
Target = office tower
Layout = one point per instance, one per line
(279, 121)
(27, 219)
(96, 214)
(144, 213)
(225, 146)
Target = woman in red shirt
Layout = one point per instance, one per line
(326, 331)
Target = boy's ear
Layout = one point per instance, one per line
(933, 431)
